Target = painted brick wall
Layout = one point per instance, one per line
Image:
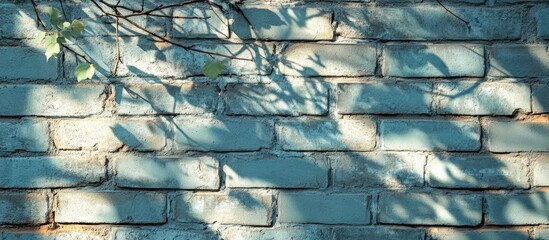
(385, 119)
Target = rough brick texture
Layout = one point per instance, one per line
(330, 119)
(438, 60)
(430, 209)
(110, 207)
(240, 208)
(430, 135)
(337, 208)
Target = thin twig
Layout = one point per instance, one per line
(39, 22)
(118, 59)
(455, 15)
(63, 9)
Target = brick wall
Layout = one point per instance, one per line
(386, 119)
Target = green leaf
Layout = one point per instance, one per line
(66, 25)
(213, 69)
(77, 27)
(84, 71)
(67, 34)
(39, 37)
(61, 40)
(51, 39)
(55, 16)
(52, 50)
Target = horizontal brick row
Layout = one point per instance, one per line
(256, 209)
(286, 98)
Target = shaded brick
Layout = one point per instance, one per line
(276, 172)
(378, 232)
(322, 208)
(378, 170)
(110, 134)
(489, 171)
(24, 135)
(26, 63)
(488, 234)
(110, 207)
(517, 136)
(222, 135)
(18, 21)
(429, 209)
(215, 26)
(75, 233)
(280, 23)
(542, 17)
(519, 209)
(482, 98)
(383, 98)
(430, 135)
(429, 23)
(30, 208)
(304, 232)
(519, 61)
(167, 172)
(276, 99)
(306, 59)
(165, 99)
(323, 135)
(540, 98)
(541, 233)
(163, 234)
(46, 172)
(241, 208)
(433, 60)
(65, 100)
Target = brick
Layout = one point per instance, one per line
(305, 232)
(517, 136)
(66, 100)
(540, 170)
(473, 98)
(276, 99)
(18, 20)
(276, 172)
(80, 234)
(29, 208)
(23, 63)
(430, 135)
(165, 99)
(167, 172)
(540, 98)
(542, 17)
(306, 59)
(25, 135)
(240, 208)
(110, 135)
(429, 209)
(541, 233)
(519, 61)
(51, 172)
(215, 26)
(162, 60)
(383, 98)
(311, 135)
(378, 232)
(433, 60)
(488, 234)
(163, 234)
(488, 171)
(429, 23)
(360, 170)
(107, 27)
(322, 208)
(223, 135)
(280, 23)
(518, 209)
(111, 207)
